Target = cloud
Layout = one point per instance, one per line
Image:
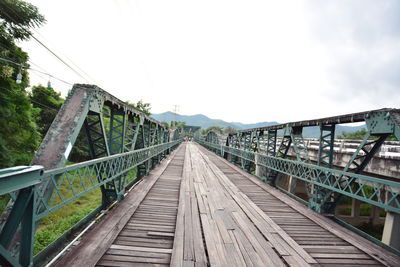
(362, 41)
(245, 61)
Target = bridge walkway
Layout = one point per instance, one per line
(196, 209)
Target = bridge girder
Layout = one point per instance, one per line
(326, 185)
(112, 128)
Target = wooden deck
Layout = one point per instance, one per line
(196, 209)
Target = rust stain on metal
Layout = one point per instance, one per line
(57, 138)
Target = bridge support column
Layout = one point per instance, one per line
(355, 207)
(391, 231)
(292, 184)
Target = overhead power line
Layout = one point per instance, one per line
(47, 48)
(43, 71)
(29, 68)
(54, 54)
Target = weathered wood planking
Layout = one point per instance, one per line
(99, 239)
(148, 236)
(232, 237)
(327, 242)
(196, 209)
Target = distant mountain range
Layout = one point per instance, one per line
(205, 122)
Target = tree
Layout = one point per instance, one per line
(19, 135)
(141, 106)
(48, 102)
(165, 124)
(17, 19)
(217, 129)
(230, 130)
(357, 135)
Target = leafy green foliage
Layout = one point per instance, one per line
(141, 106)
(357, 135)
(17, 18)
(230, 130)
(48, 102)
(217, 129)
(19, 135)
(173, 124)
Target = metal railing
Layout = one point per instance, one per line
(70, 183)
(378, 192)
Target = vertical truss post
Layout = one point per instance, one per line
(271, 143)
(283, 149)
(95, 134)
(28, 229)
(379, 126)
(117, 131)
(17, 234)
(301, 151)
(227, 143)
(247, 140)
(270, 150)
(299, 146)
(142, 142)
(116, 140)
(325, 158)
(326, 144)
(138, 126)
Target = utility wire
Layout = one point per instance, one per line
(45, 106)
(29, 68)
(42, 44)
(69, 59)
(43, 71)
(54, 54)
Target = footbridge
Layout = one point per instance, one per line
(170, 200)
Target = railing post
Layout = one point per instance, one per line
(391, 230)
(22, 214)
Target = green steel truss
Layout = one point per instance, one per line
(334, 180)
(119, 139)
(325, 185)
(69, 184)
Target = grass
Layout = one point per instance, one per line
(345, 211)
(365, 209)
(54, 225)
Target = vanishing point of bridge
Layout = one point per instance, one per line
(255, 198)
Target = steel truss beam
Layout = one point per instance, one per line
(87, 107)
(370, 190)
(380, 124)
(70, 183)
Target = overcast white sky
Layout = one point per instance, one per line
(245, 61)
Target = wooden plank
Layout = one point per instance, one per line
(138, 253)
(198, 243)
(134, 259)
(161, 234)
(99, 239)
(177, 253)
(160, 250)
(340, 256)
(243, 201)
(127, 264)
(364, 245)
